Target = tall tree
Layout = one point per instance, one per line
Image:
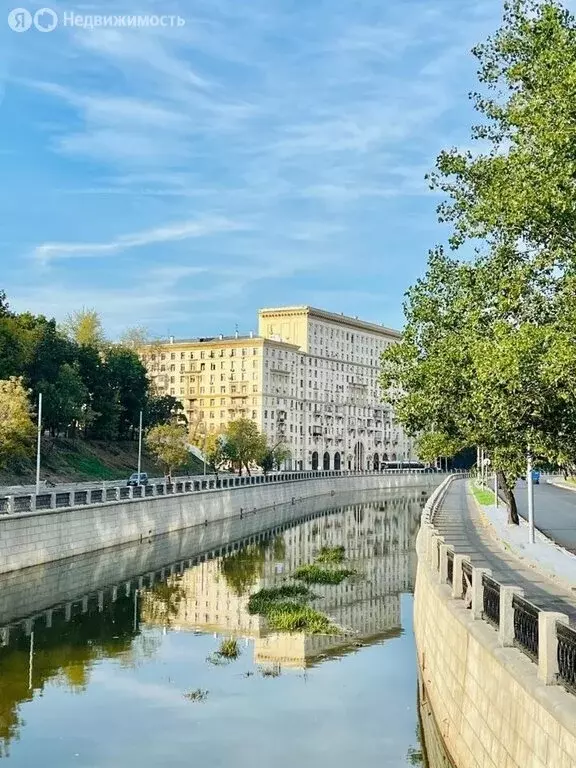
(168, 442)
(135, 337)
(16, 426)
(127, 377)
(488, 351)
(244, 443)
(84, 326)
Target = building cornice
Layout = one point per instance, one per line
(322, 314)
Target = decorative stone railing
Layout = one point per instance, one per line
(545, 637)
(98, 495)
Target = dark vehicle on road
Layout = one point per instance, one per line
(138, 479)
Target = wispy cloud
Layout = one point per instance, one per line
(289, 140)
(186, 230)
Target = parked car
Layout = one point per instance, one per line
(138, 479)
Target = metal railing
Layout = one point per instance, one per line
(526, 635)
(566, 638)
(491, 591)
(519, 622)
(450, 569)
(96, 495)
(467, 576)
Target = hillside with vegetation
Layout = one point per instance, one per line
(93, 392)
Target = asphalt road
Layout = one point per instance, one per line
(554, 511)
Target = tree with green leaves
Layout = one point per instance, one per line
(488, 352)
(16, 426)
(84, 326)
(274, 456)
(244, 443)
(215, 449)
(168, 442)
(163, 409)
(127, 378)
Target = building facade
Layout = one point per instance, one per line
(309, 379)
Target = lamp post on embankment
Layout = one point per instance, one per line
(530, 485)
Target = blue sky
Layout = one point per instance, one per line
(268, 152)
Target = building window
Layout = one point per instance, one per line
(253, 414)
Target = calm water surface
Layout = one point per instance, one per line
(123, 674)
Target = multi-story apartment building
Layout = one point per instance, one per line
(309, 379)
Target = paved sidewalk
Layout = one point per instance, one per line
(459, 522)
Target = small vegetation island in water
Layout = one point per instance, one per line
(286, 608)
(228, 651)
(331, 555)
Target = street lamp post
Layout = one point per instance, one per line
(39, 443)
(139, 447)
(530, 485)
(496, 488)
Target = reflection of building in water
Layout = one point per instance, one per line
(378, 540)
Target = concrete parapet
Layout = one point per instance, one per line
(548, 645)
(506, 628)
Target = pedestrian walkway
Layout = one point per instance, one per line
(458, 520)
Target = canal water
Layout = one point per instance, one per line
(113, 659)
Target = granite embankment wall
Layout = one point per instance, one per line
(491, 707)
(33, 538)
(29, 591)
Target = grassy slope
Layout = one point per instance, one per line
(66, 460)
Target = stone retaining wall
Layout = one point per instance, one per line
(39, 537)
(492, 709)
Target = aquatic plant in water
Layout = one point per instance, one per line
(261, 601)
(285, 609)
(331, 555)
(271, 671)
(228, 651)
(291, 617)
(314, 574)
(229, 648)
(197, 695)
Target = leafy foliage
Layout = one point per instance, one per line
(168, 442)
(85, 328)
(488, 354)
(16, 426)
(90, 387)
(244, 443)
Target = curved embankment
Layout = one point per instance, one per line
(33, 538)
(490, 703)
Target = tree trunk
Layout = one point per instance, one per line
(513, 518)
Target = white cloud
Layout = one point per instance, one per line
(186, 230)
